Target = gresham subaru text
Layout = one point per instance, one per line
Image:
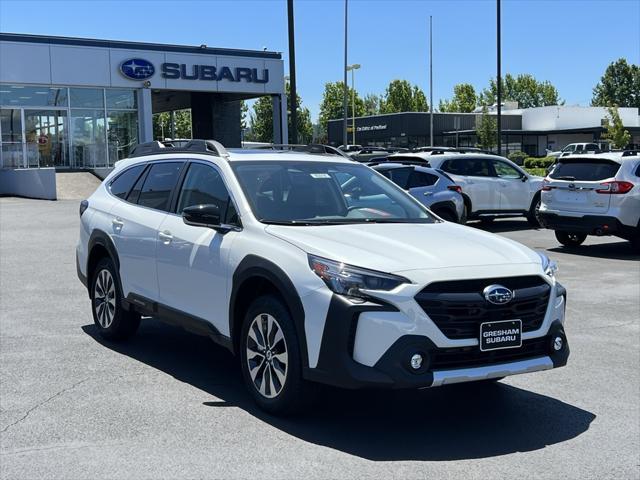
(312, 268)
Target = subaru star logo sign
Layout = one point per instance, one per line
(497, 294)
(137, 69)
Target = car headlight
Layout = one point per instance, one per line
(549, 266)
(349, 280)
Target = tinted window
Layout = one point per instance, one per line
(586, 169)
(156, 191)
(399, 176)
(123, 183)
(203, 185)
(476, 167)
(504, 170)
(134, 194)
(422, 179)
(638, 171)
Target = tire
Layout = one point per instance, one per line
(446, 215)
(111, 319)
(635, 242)
(465, 214)
(533, 217)
(569, 239)
(272, 370)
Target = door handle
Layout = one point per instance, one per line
(426, 194)
(117, 222)
(166, 237)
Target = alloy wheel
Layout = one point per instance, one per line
(104, 295)
(267, 355)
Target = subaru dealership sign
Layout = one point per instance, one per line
(141, 69)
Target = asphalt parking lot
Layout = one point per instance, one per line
(171, 405)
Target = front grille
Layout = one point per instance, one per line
(459, 307)
(466, 357)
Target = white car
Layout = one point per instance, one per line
(598, 194)
(264, 252)
(575, 148)
(492, 186)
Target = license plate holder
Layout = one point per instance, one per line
(501, 334)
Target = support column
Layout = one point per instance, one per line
(145, 116)
(213, 118)
(280, 127)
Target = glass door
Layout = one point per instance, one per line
(11, 147)
(46, 138)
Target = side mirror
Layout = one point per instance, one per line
(524, 178)
(207, 215)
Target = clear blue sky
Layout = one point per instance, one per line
(568, 42)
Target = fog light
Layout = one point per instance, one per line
(416, 361)
(558, 343)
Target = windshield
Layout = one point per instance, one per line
(324, 193)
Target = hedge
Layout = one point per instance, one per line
(543, 162)
(517, 157)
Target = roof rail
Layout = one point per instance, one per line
(210, 147)
(388, 161)
(630, 153)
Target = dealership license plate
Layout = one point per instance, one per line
(502, 334)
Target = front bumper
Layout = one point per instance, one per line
(462, 362)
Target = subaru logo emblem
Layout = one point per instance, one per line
(137, 69)
(497, 294)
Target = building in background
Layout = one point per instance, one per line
(531, 130)
(74, 103)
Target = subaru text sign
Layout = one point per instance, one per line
(137, 69)
(140, 69)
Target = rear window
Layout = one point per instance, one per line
(584, 169)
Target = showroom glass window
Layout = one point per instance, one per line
(66, 127)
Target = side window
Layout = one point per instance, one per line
(203, 185)
(504, 170)
(455, 166)
(477, 167)
(579, 148)
(638, 171)
(422, 179)
(122, 184)
(400, 176)
(134, 194)
(160, 181)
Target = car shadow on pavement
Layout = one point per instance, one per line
(502, 226)
(621, 250)
(451, 423)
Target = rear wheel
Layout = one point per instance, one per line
(113, 321)
(270, 357)
(533, 217)
(569, 239)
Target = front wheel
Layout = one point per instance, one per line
(270, 357)
(569, 239)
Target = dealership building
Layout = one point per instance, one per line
(531, 130)
(71, 103)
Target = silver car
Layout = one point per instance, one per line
(431, 187)
(596, 194)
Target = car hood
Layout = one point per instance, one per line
(404, 247)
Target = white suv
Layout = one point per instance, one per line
(492, 186)
(312, 268)
(598, 194)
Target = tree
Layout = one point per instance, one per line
(464, 99)
(524, 89)
(620, 85)
(401, 96)
(162, 124)
(262, 120)
(486, 130)
(244, 109)
(614, 130)
(371, 104)
(331, 107)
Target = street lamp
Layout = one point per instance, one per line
(352, 69)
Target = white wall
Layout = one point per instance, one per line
(563, 117)
(29, 182)
(51, 64)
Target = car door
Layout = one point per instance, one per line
(192, 262)
(422, 186)
(135, 224)
(512, 192)
(476, 177)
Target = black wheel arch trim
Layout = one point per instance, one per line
(446, 205)
(253, 266)
(101, 238)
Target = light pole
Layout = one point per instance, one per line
(344, 92)
(293, 95)
(499, 80)
(431, 81)
(352, 69)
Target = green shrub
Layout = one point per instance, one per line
(517, 157)
(543, 162)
